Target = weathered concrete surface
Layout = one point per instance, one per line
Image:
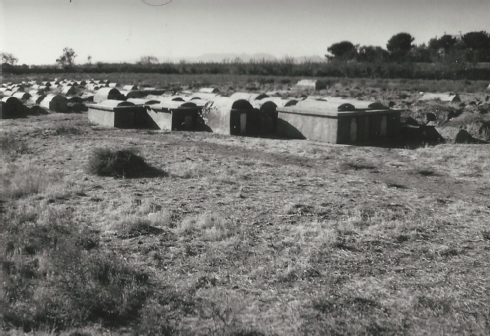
(341, 128)
(55, 103)
(108, 93)
(174, 119)
(11, 108)
(119, 117)
(232, 117)
(443, 97)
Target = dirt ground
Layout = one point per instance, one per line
(282, 237)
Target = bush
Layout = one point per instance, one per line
(116, 163)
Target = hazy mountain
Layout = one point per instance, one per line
(314, 58)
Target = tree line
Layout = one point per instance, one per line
(446, 57)
(472, 47)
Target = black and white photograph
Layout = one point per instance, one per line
(245, 167)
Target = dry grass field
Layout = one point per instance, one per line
(228, 82)
(222, 235)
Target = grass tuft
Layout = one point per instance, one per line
(135, 226)
(26, 180)
(63, 130)
(212, 226)
(11, 147)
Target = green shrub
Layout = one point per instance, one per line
(116, 163)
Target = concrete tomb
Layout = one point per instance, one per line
(338, 121)
(233, 117)
(130, 87)
(36, 99)
(143, 101)
(55, 103)
(443, 97)
(175, 115)
(107, 93)
(309, 84)
(209, 90)
(11, 108)
(21, 95)
(117, 113)
(68, 90)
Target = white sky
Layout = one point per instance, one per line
(36, 31)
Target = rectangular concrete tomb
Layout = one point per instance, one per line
(174, 115)
(116, 113)
(338, 121)
(233, 117)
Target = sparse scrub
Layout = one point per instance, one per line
(161, 218)
(163, 314)
(135, 226)
(116, 163)
(211, 226)
(188, 170)
(67, 130)
(356, 165)
(426, 172)
(12, 147)
(286, 246)
(26, 180)
(57, 278)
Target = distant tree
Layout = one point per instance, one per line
(9, 59)
(372, 54)
(476, 46)
(476, 40)
(399, 45)
(344, 50)
(147, 60)
(67, 58)
(89, 59)
(420, 53)
(288, 60)
(445, 42)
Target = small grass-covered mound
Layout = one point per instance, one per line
(119, 163)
